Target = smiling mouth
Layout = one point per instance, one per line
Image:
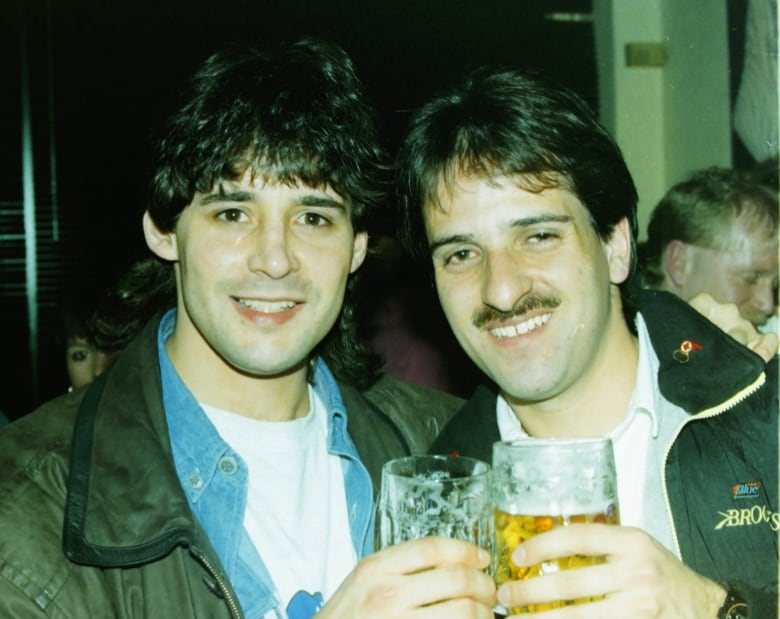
(267, 307)
(520, 328)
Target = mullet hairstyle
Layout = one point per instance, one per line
(296, 114)
(512, 123)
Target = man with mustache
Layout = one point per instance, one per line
(525, 208)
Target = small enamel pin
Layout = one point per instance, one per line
(683, 353)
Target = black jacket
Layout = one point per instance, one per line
(721, 473)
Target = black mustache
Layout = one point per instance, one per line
(489, 314)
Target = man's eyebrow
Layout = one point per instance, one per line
(322, 200)
(450, 240)
(540, 219)
(228, 196)
(522, 222)
(248, 196)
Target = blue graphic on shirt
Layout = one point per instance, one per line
(303, 605)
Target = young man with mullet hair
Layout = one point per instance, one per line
(525, 208)
(226, 464)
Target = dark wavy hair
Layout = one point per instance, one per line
(296, 113)
(513, 123)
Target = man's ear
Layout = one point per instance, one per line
(359, 250)
(619, 252)
(675, 262)
(161, 243)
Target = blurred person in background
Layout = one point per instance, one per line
(717, 233)
(85, 360)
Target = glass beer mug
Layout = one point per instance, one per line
(426, 495)
(541, 484)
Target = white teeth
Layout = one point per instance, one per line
(519, 329)
(267, 307)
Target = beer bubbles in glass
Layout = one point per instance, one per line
(538, 485)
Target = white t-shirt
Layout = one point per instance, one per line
(296, 512)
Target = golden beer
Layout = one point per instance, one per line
(540, 484)
(513, 529)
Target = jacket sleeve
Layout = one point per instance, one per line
(15, 597)
(762, 603)
(418, 412)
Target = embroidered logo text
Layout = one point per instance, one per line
(748, 517)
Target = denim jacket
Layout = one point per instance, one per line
(209, 468)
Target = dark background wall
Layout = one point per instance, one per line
(115, 68)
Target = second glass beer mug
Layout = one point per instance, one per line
(542, 484)
(426, 495)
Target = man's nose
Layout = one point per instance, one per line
(764, 296)
(506, 280)
(272, 253)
